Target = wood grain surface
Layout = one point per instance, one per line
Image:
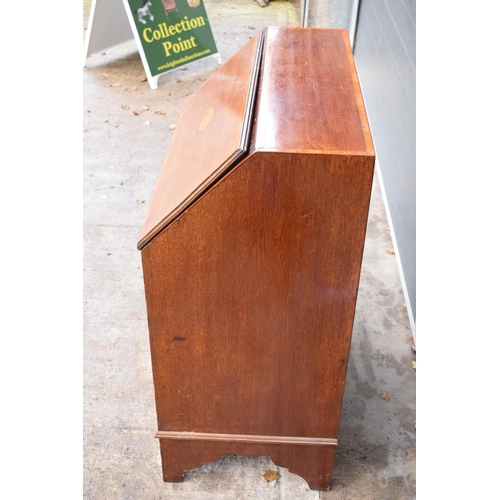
(251, 296)
(309, 96)
(209, 137)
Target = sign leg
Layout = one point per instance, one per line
(153, 82)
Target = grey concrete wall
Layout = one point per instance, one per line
(339, 14)
(385, 54)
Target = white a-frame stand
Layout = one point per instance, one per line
(111, 23)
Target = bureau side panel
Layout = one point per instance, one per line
(251, 296)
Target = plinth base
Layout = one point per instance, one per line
(310, 458)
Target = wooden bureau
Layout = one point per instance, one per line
(251, 252)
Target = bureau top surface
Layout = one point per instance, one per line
(309, 95)
(301, 88)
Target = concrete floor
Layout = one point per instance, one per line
(126, 135)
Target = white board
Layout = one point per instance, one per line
(108, 26)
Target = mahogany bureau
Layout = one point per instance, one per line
(251, 252)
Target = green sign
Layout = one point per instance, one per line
(172, 32)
